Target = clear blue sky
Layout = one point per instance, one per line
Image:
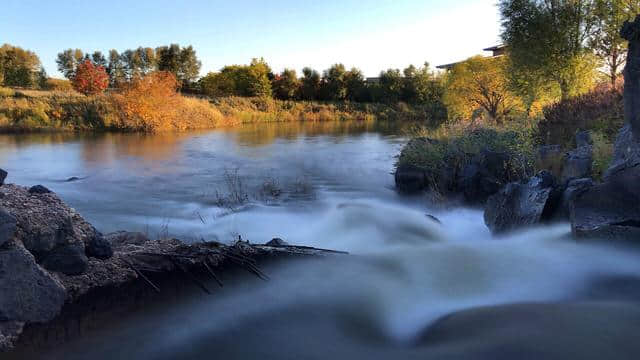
(371, 35)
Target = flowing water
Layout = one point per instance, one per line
(330, 185)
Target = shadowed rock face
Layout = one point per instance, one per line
(631, 32)
(3, 175)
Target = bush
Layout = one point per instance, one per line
(90, 79)
(600, 110)
(58, 85)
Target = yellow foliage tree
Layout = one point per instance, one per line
(480, 83)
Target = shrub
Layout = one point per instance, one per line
(58, 85)
(90, 79)
(600, 110)
(602, 154)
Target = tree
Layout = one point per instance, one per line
(606, 42)
(549, 38)
(333, 86)
(355, 85)
(90, 79)
(98, 59)
(480, 83)
(68, 60)
(390, 86)
(182, 62)
(310, 84)
(18, 67)
(116, 69)
(218, 84)
(259, 82)
(286, 85)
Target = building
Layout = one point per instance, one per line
(497, 50)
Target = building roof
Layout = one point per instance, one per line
(495, 48)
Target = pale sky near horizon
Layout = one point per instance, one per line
(371, 35)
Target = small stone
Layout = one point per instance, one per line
(39, 189)
(3, 176)
(67, 259)
(99, 247)
(277, 242)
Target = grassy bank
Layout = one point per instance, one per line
(30, 110)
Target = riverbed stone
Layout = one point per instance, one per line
(27, 292)
(68, 259)
(519, 204)
(39, 189)
(99, 247)
(7, 226)
(578, 163)
(610, 210)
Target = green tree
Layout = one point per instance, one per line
(18, 67)
(355, 85)
(390, 86)
(182, 62)
(310, 84)
(549, 38)
(218, 84)
(286, 85)
(98, 59)
(333, 86)
(606, 42)
(116, 69)
(259, 82)
(68, 60)
(480, 84)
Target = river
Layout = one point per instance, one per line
(330, 185)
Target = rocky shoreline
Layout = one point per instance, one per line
(53, 263)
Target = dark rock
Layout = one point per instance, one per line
(67, 259)
(99, 247)
(39, 189)
(27, 293)
(72, 179)
(550, 158)
(277, 242)
(3, 176)
(631, 32)
(578, 163)
(484, 176)
(574, 188)
(434, 219)
(519, 204)
(410, 179)
(7, 226)
(583, 138)
(610, 210)
(626, 153)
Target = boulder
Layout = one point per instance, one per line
(68, 259)
(410, 179)
(519, 204)
(484, 176)
(583, 138)
(7, 226)
(277, 242)
(44, 224)
(610, 210)
(631, 32)
(550, 158)
(99, 247)
(27, 292)
(3, 176)
(39, 189)
(626, 153)
(578, 163)
(574, 188)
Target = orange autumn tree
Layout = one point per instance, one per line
(149, 103)
(90, 79)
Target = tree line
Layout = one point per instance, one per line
(123, 67)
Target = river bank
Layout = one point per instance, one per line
(23, 111)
